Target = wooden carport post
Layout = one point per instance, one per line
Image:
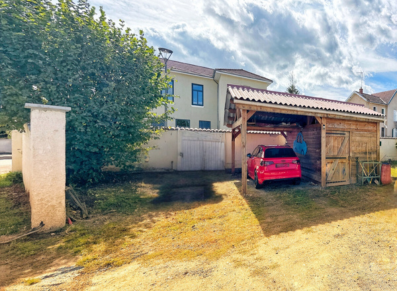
(323, 152)
(244, 151)
(233, 152)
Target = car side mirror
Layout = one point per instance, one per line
(249, 155)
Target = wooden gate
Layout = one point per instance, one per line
(337, 158)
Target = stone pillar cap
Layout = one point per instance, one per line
(47, 107)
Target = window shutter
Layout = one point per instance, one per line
(395, 115)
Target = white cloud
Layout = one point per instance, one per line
(326, 43)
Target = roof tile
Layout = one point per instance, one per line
(386, 95)
(208, 72)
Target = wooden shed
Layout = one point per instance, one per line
(332, 133)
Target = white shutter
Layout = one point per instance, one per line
(395, 115)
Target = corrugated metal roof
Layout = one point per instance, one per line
(217, 130)
(281, 98)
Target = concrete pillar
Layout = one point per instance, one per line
(44, 164)
(16, 143)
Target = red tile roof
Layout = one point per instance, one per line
(371, 98)
(386, 96)
(190, 69)
(281, 98)
(244, 73)
(209, 73)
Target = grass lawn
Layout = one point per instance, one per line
(194, 231)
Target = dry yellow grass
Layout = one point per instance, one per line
(278, 238)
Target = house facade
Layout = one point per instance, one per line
(382, 102)
(200, 93)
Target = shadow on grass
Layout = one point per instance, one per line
(120, 211)
(282, 207)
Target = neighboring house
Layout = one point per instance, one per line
(200, 93)
(379, 102)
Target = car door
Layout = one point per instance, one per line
(258, 158)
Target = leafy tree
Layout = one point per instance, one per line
(292, 88)
(65, 55)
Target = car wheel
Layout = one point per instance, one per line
(297, 181)
(257, 184)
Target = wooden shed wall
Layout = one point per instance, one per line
(311, 162)
(364, 141)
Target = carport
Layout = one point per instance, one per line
(335, 133)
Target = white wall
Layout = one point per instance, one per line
(253, 140)
(165, 155)
(234, 80)
(388, 149)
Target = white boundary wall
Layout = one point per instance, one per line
(168, 149)
(388, 149)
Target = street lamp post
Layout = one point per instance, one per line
(165, 54)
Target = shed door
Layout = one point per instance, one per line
(337, 158)
(198, 154)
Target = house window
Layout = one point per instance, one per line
(169, 91)
(182, 122)
(382, 132)
(374, 108)
(393, 132)
(161, 124)
(205, 124)
(383, 111)
(197, 95)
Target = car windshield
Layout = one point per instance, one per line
(280, 153)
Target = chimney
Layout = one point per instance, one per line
(361, 90)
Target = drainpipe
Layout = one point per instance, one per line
(217, 101)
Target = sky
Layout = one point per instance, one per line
(324, 44)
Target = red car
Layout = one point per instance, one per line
(273, 163)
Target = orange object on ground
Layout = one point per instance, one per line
(385, 174)
(70, 221)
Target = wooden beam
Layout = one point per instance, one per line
(244, 152)
(280, 128)
(250, 113)
(304, 111)
(284, 135)
(233, 154)
(378, 141)
(318, 119)
(323, 152)
(239, 121)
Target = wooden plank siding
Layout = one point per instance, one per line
(364, 143)
(311, 162)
